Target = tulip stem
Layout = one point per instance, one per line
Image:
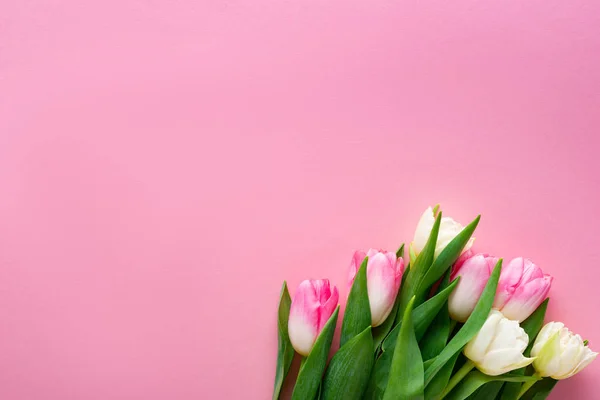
(527, 385)
(458, 376)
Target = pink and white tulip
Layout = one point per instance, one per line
(384, 275)
(521, 289)
(312, 306)
(474, 272)
(523, 286)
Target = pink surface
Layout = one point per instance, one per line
(165, 165)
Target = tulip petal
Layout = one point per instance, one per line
(474, 274)
(499, 362)
(527, 298)
(357, 260)
(509, 279)
(475, 350)
(423, 229)
(327, 309)
(589, 356)
(381, 286)
(509, 335)
(547, 362)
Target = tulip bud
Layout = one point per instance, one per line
(449, 228)
(312, 306)
(498, 347)
(384, 275)
(560, 353)
(521, 289)
(474, 273)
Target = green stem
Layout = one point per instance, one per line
(458, 376)
(527, 385)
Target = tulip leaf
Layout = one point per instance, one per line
(438, 332)
(418, 269)
(400, 251)
(285, 352)
(471, 327)
(422, 317)
(448, 256)
(540, 390)
(475, 379)
(357, 316)
(488, 391)
(436, 387)
(406, 373)
(313, 366)
(349, 370)
(412, 256)
(532, 327)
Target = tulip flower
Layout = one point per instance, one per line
(474, 272)
(449, 228)
(498, 347)
(312, 306)
(559, 352)
(521, 289)
(384, 275)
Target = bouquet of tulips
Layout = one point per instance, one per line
(451, 324)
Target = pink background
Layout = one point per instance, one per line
(165, 165)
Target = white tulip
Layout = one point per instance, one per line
(498, 347)
(449, 228)
(560, 353)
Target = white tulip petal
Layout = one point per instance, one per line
(509, 335)
(423, 229)
(499, 362)
(475, 350)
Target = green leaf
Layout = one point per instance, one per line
(406, 374)
(285, 352)
(357, 316)
(488, 391)
(412, 255)
(475, 379)
(422, 317)
(436, 387)
(436, 337)
(534, 324)
(532, 327)
(540, 390)
(313, 366)
(400, 251)
(448, 256)
(471, 327)
(349, 370)
(418, 269)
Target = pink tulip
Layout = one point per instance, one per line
(311, 308)
(474, 273)
(523, 286)
(521, 289)
(384, 275)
